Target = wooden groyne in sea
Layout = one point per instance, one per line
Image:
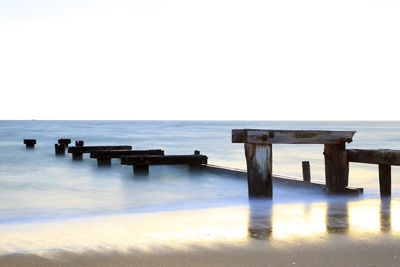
(258, 152)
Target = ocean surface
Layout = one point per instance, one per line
(36, 185)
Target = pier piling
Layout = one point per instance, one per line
(384, 158)
(259, 170)
(30, 143)
(64, 142)
(385, 180)
(306, 171)
(59, 149)
(258, 151)
(79, 143)
(336, 167)
(141, 169)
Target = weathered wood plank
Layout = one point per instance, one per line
(259, 170)
(306, 171)
(108, 154)
(374, 156)
(259, 136)
(89, 149)
(163, 160)
(336, 167)
(385, 180)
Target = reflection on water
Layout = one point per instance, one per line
(337, 216)
(385, 215)
(261, 221)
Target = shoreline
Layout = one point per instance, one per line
(307, 234)
(336, 251)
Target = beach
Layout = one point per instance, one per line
(295, 235)
(59, 212)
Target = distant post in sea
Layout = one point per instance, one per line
(30, 143)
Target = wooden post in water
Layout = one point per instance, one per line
(78, 143)
(385, 180)
(77, 156)
(259, 169)
(336, 167)
(30, 143)
(385, 158)
(64, 141)
(104, 161)
(306, 171)
(59, 149)
(141, 169)
(258, 150)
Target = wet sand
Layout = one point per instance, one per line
(349, 233)
(337, 251)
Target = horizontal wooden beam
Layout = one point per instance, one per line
(164, 160)
(89, 149)
(259, 136)
(64, 141)
(119, 153)
(29, 141)
(374, 156)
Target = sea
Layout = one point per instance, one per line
(37, 185)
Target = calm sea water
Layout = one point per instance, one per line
(37, 185)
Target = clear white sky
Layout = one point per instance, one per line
(200, 59)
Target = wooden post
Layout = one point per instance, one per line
(385, 180)
(336, 167)
(306, 171)
(103, 162)
(30, 143)
(259, 170)
(141, 169)
(64, 142)
(77, 155)
(59, 149)
(78, 143)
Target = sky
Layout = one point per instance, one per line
(195, 60)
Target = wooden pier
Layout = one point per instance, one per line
(141, 162)
(258, 152)
(104, 157)
(78, 151)
(384, 158)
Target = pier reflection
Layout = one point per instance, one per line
(385, 215)
(337, 217)
(260, 219)
(340, 216)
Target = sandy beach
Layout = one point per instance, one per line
(295, 234)
(337, 251)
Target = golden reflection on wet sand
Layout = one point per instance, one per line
(354, 218)
(238, 225)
